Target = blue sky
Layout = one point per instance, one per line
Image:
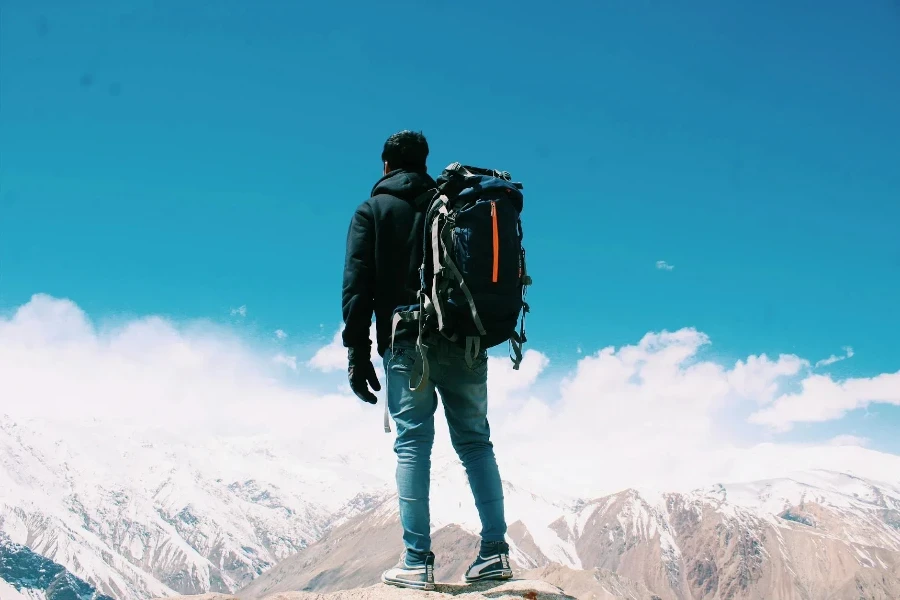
(189, 158)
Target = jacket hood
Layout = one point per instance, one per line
(406, 185)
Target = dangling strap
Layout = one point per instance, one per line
(398, 318)
(387, 396)
(436, 268)
(518, 339)
(407, 317)
(423, 357)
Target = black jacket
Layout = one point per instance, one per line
(384, 251)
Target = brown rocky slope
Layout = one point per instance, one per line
(831, 537)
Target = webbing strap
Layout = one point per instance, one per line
(423, 380)
(402, 317)
(387, 416)
(448, 262)
(515, 345)
(406, 317)
(398, 318)
(410, 316)
(436, 260)
(518, 339)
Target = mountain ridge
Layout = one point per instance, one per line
(148, 514)
(674, 545)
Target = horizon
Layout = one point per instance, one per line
(660, 406)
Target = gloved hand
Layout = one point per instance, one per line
(361, 373)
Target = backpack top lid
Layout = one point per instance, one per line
(465, 182)
(459, 170)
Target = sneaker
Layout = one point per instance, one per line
(417, 578)
(492, 563)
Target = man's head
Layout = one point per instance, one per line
(406, 150)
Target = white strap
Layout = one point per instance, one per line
(399, 317)
(436, 259)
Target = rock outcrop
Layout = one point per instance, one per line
(517, 589)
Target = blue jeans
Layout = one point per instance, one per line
(464, 393)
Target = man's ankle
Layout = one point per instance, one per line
(414, 559)
(493, 547)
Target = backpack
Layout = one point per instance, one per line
(472, 279)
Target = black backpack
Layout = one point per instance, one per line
(472, 280)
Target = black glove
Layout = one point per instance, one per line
(361, 374)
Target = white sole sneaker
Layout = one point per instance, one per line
(494, 567)
(421, 578)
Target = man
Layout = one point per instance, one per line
(384, 251)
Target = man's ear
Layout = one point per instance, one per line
(387, 168)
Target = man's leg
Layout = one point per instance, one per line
(464, 392)
(413, 414)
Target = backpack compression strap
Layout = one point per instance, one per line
(440, 241)
(440, 234)
(518, 339)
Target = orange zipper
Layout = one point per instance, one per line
(496, 241)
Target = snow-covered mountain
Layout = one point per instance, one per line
(814, 536)
(817, 535)
(139, 513)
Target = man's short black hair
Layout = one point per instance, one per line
(406, 150)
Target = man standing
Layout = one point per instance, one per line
(384, 247)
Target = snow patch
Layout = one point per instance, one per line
(8, 592)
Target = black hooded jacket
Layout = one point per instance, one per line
(384, 251)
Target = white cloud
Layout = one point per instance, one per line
(288, 361)
(150, 372)
(636, 415)
(504, 382)
(280, 334)
(333, 357)
(241, 311)
(757, 377)
(849, 440)
(664, 266)
(848, 353)
(651, 414)
(648, 415)
(821, 398)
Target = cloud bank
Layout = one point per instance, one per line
(648, 414)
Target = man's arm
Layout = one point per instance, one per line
(358, 303)
(359, 281)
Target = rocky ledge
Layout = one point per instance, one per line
(516, 589)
